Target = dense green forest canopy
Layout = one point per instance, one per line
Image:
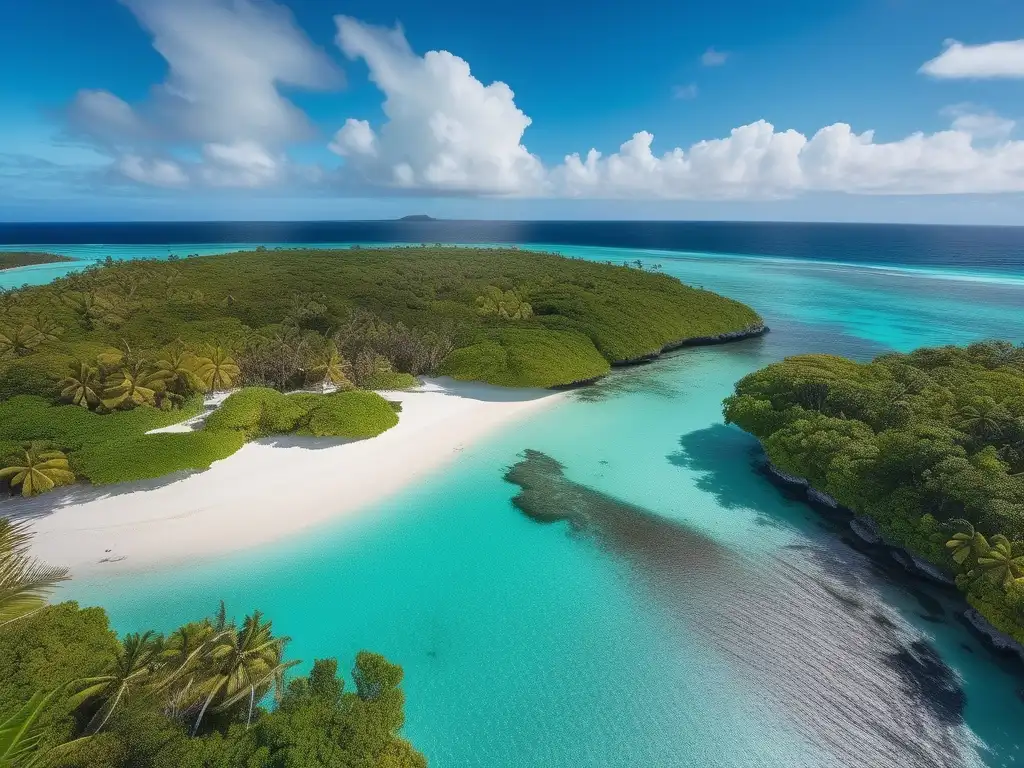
(929, 444)
(91, 363)
(74, 695)
(12, 259)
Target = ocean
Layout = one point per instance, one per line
(704, 618)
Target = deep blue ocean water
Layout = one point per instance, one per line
(709, 620)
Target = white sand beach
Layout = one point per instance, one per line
(198, 516)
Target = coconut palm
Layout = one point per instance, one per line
(133, 668)
(966, 543)
(25, 583)
(37, 470)
(245, 662)
(21, 733)
(83, 386)
(135, 383)
(19, 340)
(1003, 562)
(332, 370)
(218, 370)
(178, 369)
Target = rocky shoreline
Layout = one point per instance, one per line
(749, 332)
(868, 531)
(696, 341)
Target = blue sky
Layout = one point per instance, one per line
(171, 109)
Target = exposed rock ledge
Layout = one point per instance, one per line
(999, 640)
(866, 529)
(749, 332)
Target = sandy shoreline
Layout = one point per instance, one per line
(199, 516)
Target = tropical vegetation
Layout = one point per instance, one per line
(12, 259)
(929, 444)
(92, 363)
(212, 693)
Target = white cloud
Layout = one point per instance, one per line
(758, 162)
(990, 60)
(226, 62)
(713, 58)
(220, 120)
(444, 129)
(685, 91)
(978, 122)
(152, 171)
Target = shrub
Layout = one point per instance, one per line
(523, 357)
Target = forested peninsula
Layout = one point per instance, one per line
(92, 362)
(928, 445)
(14, 259)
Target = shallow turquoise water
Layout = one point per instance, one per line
(764, 641)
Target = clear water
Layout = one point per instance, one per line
(757, 639)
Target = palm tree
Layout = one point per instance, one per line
(245, 662)
(136, 383)
(332, 369)
(37, 470)
(21, 734)
(178, 368)
(19, 340)
(92, 307)
(132, 669)
(966, 543)
(983, 418)
(25, 583)
(218, 370)
(47, 328)
(82, 386)
(1001, 563)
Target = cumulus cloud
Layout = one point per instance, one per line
(444, 129)
(227, 60)
(990, 60)
(756, 161)
(713, 58)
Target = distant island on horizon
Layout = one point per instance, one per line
(418, 217)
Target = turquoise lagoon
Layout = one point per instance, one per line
(712, 622)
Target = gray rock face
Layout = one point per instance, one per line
(999, 640)
(820, 497)
(786, 477)
(866, 529)
(697, 341)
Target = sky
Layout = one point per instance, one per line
(846, 110)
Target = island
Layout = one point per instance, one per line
(926, 450)
(418, 217)
(97, 367)
(15, 259)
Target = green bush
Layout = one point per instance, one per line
(353, 415)
(528, 358)
(151, 456)
(260, 412)
(391, 381)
